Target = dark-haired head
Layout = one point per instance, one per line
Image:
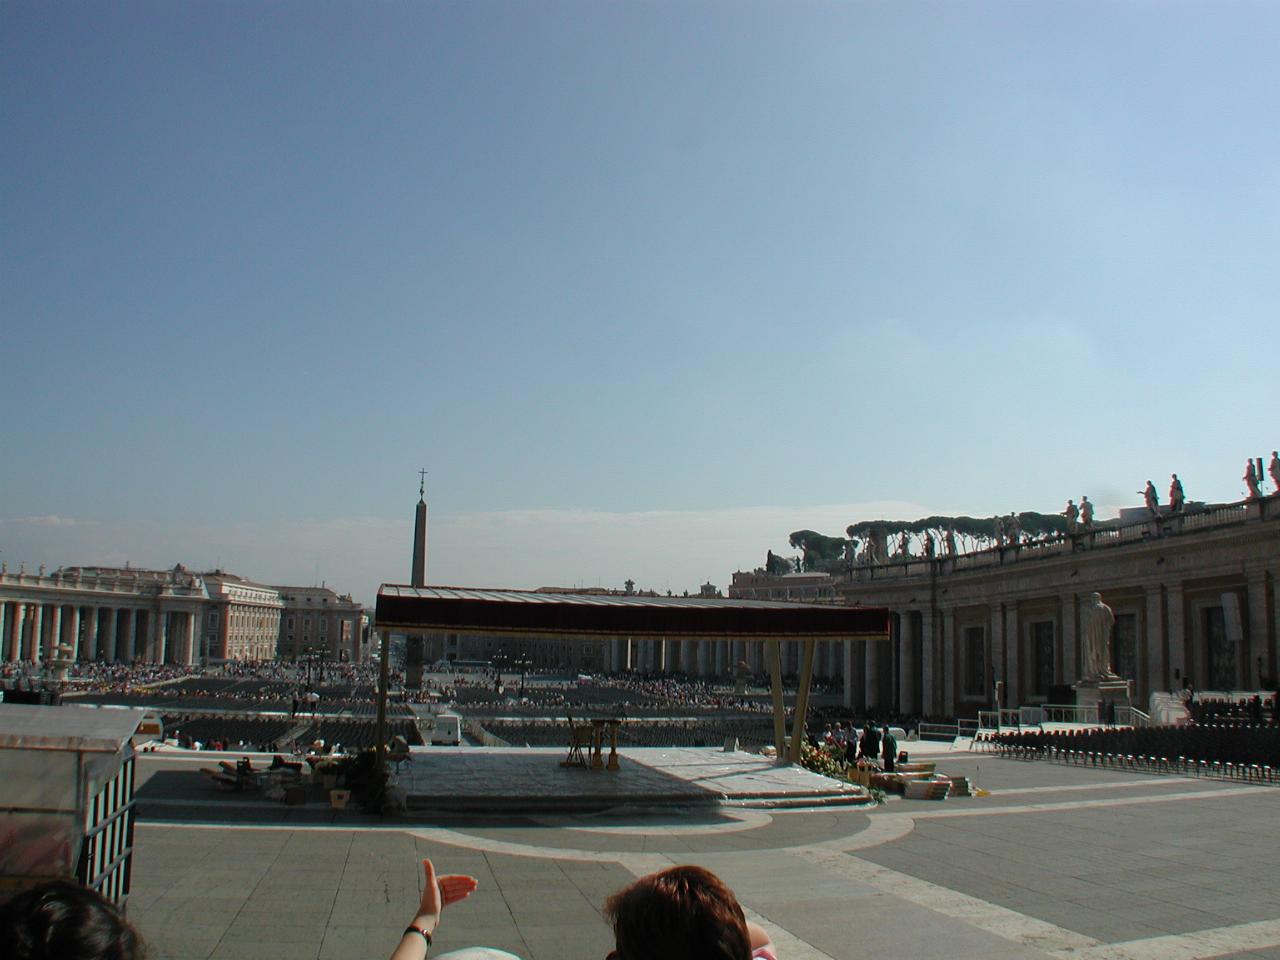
(685, 913)
(62, 919)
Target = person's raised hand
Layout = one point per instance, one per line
(455, 887)
(439, 892)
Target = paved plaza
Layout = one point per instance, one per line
(1057, 862)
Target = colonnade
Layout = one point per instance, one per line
(714, 658)
(1219, 634)
(32, 630)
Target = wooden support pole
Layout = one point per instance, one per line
(802, 700)
(779, 711)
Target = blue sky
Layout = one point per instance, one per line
(636, 282)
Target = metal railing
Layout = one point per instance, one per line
(1132, 717)
(938, 731)
(1069, 713)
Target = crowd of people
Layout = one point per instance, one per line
(873, 745)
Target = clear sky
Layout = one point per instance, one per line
(644, 286)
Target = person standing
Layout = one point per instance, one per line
(888, 750)
(869, 745)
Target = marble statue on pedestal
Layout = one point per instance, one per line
(1176, 497)
(1251, 480)
(1086, 513)
(1072, 513)
(1273, 468)
(1151, 499)
(1096, 623)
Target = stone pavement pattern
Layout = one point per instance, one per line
(1058, 862)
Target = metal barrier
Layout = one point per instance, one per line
(988, 719)
(938, 731)
(1132, 717)
(1030, 716)
(1069, 713)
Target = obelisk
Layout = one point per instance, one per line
(419, 576)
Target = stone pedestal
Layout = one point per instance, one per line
(1104, 696)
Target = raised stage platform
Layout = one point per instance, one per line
(531, 778)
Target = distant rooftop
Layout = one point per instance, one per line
(480, 611)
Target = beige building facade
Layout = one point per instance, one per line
(242, 619)
(319, 620)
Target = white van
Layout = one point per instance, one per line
(444, 729)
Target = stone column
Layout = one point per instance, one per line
(704, 658)
(11, 621)
(928, 656)
(1070, 667)
(847, 651)
(948, 677)
(996, 617)
(1158, 678)
(36, 651)
(1013, 655)
(856, 662)
(907, 663)
(1178, 634)
(20, 619)
(55, 633)
(162, 636)
(871, 675)
(722, 657)
(92, 632)
(1256, 640)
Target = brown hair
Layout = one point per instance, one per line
(62, 919)
(685, 913)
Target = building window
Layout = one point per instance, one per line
(1042, 656)
(975, 661)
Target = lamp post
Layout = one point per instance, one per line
(523, 664)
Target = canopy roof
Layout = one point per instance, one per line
(406, 608)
